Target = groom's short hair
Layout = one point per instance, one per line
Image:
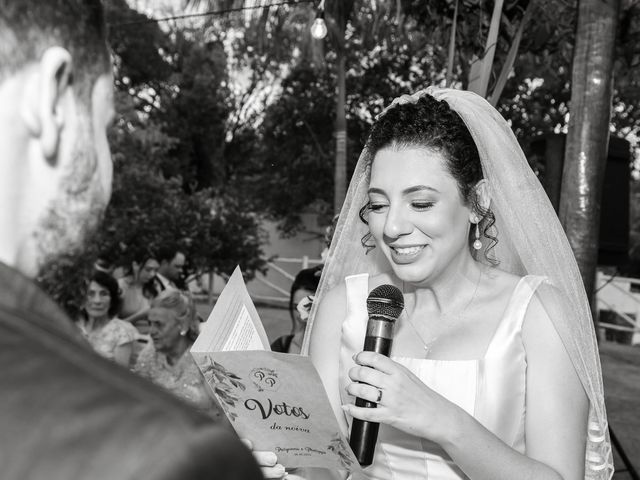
(29, 27)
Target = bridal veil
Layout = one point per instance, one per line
(530, 241)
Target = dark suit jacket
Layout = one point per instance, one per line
(66, 413)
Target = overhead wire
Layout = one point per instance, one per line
(211, 13)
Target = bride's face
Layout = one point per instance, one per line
(418, 217)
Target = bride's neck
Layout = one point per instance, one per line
(448, 291)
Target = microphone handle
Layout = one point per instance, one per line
(364, 435)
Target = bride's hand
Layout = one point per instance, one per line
(404, 401)
(268, 462)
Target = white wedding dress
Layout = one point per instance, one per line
(491, 389)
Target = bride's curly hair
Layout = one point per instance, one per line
(433, 125)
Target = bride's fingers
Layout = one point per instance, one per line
(363, 413)
(265, 459)
(377, 361)
(364, 391)
(365, 374)
(277, 471)
(268, 464)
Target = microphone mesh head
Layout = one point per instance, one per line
(386, 301)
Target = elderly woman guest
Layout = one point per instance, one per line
(494, 370)
(109, 336)
(166, 359)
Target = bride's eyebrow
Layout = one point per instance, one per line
(406, 191)
(420, 188)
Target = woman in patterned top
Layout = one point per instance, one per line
(110, 337)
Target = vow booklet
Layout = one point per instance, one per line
(276, 400)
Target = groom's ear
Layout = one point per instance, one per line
(46, 110)
(482, 194)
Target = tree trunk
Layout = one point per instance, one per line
(340, 11)
(588, 135)
(340, 171)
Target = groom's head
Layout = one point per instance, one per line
(55, 106)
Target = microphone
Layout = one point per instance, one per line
(384, 305)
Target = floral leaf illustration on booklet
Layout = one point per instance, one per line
(223, 383)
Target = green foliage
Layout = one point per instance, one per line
(294, 168)
(150, 209)
(65, 278)
(196, 114)
(142, 51)
(392, 48)
(168, 146)
(288, 170)
(232, 119)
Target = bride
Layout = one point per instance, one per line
(494, 370)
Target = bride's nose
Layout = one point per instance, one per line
(397, 222)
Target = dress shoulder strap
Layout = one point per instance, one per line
(354, 326)
(354, 329)
(357, 290)
(511, 323)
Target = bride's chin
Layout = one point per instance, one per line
(410, 274)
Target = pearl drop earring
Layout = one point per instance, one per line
(477, 244)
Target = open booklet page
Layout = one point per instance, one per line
(233, 324)
(276, 400)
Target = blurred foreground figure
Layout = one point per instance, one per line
(65, 412)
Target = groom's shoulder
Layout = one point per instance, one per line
(66, 413)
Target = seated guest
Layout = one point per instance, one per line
(110, 337)
(302, 290)
(171, 270)
(136, 291)
(166, 360)
(103, 264)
